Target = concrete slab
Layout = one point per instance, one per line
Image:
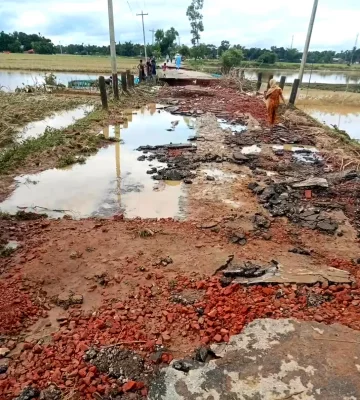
(272, 360)
(184, 75)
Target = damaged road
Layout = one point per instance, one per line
(254, 294)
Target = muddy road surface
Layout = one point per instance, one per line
(143, 273)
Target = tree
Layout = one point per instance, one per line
(44, 47)
(195, 18)
(231, 58)
(184, 50)
(268, 57)
(225, 45)
(165, 40)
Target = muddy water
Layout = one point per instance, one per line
(10, 80)
(346, 118)
(314, 77)
(112, 181)
(58, 120)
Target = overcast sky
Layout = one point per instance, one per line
(249, 23)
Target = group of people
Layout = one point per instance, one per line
(148, 70)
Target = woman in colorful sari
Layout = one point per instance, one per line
(272, 97)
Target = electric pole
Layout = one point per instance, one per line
(153, 32)
(142, 16)
(307, 42)
(113, 50)
(292, 42)
(354, 49)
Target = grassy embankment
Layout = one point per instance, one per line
(17, 110)
(70, 63)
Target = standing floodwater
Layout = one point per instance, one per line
(112, 181)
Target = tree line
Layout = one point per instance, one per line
(166, 43)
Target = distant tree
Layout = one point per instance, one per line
(165, 40)
(195, 18)
(15, 47)
(231, 58)
(44, 47)
(184, 50)
(225, 45)
(268, 57)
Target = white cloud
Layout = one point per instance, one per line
(252, 23)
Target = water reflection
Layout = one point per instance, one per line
(10, 80)
(344, 117)
(112, 181)
(59, 120)
(347, 77)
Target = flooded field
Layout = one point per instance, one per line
(112, 181)
(59, 120)
(10, 80)
(346, 118)
(350, 77)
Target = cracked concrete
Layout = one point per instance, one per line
(272, 360)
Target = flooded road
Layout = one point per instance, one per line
(112, 181)
(59, 120)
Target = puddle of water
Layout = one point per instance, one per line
(304, 154)
(59, 120)
(235, 128)
(219, 175)
(254, 149)
(112, 181)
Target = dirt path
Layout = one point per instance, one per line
(161, 288)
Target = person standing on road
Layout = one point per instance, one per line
(153, 67)
(178, 61)
(272, 97)
(141, 68)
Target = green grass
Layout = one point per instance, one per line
(72, 137)
(19, 109)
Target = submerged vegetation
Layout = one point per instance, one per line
(21, 108)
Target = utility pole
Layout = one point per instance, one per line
(179, 41)
(153, 32)
(307, 42)
(113, 50)
(354, 49)
(60, 47)
(292, 42)
(142, 16)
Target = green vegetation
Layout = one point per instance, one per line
(18, 42)
(6, 251)
(77, 137)
(193, 12)
(19, 109)
(231, 58)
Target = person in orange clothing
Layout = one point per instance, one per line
(272, 97)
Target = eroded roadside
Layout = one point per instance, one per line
(260, 240)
